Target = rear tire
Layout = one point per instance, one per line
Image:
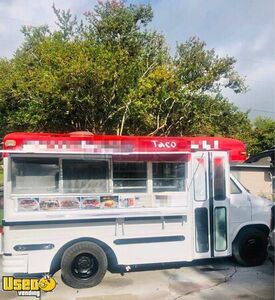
(250, 247)
(83, 265)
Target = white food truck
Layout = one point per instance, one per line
(87, 203)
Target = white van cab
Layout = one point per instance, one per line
(253, 215)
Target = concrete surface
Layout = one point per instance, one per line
(209, 279)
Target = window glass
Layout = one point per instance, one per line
(130, 177)
(168, 177)
(219, 179)
(200, 181)
(34, 175)
(85, 176)
(234, 188)
(220, 229)
(242, 184)
(201, 226)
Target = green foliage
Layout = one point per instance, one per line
(263, 135)
(108, 73)
(203, 70)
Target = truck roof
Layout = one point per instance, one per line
(88, 143)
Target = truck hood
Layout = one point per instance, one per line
(260, 201)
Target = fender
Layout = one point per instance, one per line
(111, 257)
(262, 225)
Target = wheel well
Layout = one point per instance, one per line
(264, 228)
(111, 257)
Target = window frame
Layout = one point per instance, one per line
(60, 158)
(108, 158)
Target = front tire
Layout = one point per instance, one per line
(83, 265)
(250, 247)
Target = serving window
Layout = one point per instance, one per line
(85, 176)
(130, 177)
(168, 177)
(40, 183)
(35, 175)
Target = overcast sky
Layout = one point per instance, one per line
(244, 29)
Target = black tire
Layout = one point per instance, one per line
(83, 265)
(250, 247)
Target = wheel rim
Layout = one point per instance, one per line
(84, 266)
(252, 249)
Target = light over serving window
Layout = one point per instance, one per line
(130, 177)
(168, 177)
(34, 175)
(85, 176)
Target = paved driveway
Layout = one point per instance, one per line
(218, 279)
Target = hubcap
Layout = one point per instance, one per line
(84, 266)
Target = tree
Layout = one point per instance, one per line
(263, 135)
(108, 73)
